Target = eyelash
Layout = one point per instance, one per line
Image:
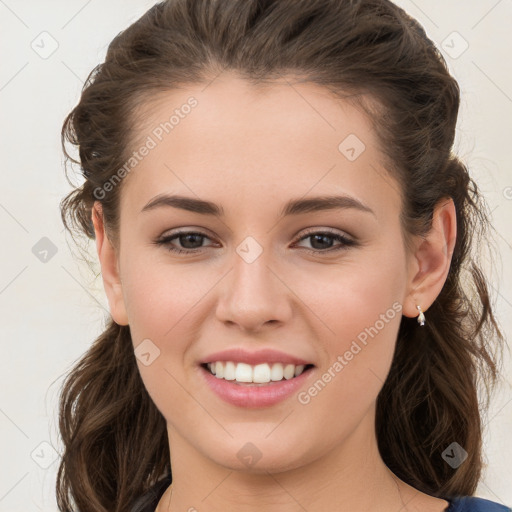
(345, 242)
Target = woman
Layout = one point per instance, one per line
(297, 318)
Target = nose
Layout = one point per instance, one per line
(253, 295)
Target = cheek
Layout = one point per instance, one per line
(360, 308)
(159, 298)
(363, 291)
(165, 304)
(160, 306)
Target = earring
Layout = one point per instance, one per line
(421, 316)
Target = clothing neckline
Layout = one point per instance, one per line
(160, 487)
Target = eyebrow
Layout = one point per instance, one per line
(292, 207)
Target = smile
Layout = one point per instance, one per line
(255, 386)
(257, 374)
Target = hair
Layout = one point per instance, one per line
(370, 52)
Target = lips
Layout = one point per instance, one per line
(251, 395)
(240, 355)
(257, 389)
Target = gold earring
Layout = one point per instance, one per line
(421, 316)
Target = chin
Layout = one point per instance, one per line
(257, 454)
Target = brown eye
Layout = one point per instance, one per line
(191, 241)
(322, 242)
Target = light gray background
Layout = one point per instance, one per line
(52, 310)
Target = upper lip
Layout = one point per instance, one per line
(240, 355)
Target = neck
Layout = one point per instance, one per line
(350, 476)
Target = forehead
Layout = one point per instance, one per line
(230, 139)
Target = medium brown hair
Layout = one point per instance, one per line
(115, 438)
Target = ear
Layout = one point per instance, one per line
(431, 259)
(109, 268)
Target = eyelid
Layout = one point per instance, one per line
(320, 230)
(204, 232)
(185, 231)
(345, 240)
(172, 235)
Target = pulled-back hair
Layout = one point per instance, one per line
(115, 439)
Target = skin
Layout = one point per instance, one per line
(250, 150)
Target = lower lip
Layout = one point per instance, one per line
(248, 396)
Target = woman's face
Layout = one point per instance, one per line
(250, 280)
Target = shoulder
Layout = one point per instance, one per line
(474, 504)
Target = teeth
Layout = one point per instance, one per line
(298, 370)
(229, 370)
(258, 374)
(277, 372)
(261, 373)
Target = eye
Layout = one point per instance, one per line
(190, 240)
(323, 241)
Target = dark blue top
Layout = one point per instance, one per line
(149, 501)
(473, 504)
